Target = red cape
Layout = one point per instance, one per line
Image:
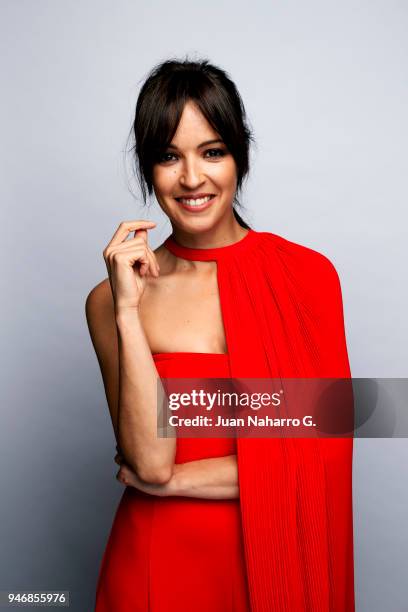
(283, 317)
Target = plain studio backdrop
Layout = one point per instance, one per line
(325, 88)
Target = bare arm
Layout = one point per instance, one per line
(129, 373)
(152, 458)
(214, 478)
(130, 381)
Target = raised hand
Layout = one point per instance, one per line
(129, 263)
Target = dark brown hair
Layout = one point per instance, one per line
(159, 107)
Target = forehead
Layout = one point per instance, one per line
(193, 127)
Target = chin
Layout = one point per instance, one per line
(196, 226)
(197, 222)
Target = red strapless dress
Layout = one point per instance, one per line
(177, 554)
(282, 311)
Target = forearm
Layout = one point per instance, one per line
(214, 478)
(152, 458)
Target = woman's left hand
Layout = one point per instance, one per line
(119, 459)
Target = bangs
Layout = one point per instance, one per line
(160, 104)
(161, 126)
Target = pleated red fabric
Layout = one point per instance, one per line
(282, 310)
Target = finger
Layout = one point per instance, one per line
(128, 254)
(120, 476)
(128, 226)
(113, 249)
(139, 241)
(118, 459)
(153, 267)
(144, 261)
(148, 263)
(126, 246)
(141, 233)
(155, 262)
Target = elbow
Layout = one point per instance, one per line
(151, 474)
(155, 476)
(157, 471)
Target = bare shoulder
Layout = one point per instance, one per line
(100, 316)
(99, 302)
(100, 292)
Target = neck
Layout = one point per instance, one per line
(211, 238)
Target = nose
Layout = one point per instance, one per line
(191, 176)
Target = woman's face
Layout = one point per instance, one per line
(195, 180)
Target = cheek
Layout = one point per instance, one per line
(163, 180)
(226, 175)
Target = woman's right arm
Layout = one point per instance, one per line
(129, 373)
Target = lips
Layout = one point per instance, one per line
(197, 202)
(196, 199)
(193, 196)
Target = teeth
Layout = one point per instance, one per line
(196, 202)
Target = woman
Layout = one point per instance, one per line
(255, 524)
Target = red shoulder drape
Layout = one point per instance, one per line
(283, 317)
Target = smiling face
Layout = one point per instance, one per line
(195, 180)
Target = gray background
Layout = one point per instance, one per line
(325, 87)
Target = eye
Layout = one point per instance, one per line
(216, 152)
(209, 154)
(165, 157)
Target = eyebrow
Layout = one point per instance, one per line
(203, 144)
